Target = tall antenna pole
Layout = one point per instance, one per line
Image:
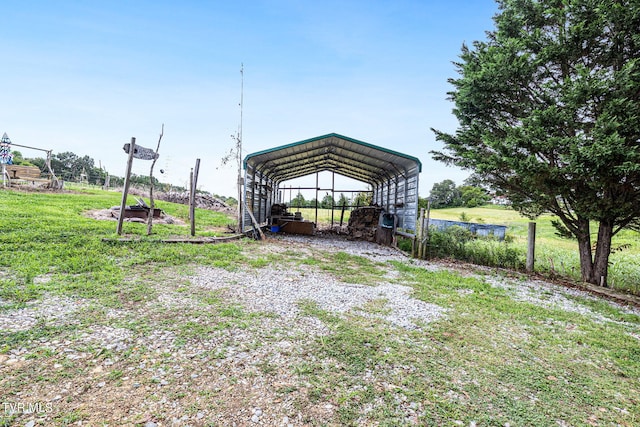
(239, 149)
(241, 105)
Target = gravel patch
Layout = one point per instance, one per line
(280, 291)
(332, 242)
(51, 309)
(548, 295)
(117, 339)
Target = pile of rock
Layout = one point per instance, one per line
(204, 201)
(363, 223)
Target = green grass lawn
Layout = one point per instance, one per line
(501, 355)
(45, 233)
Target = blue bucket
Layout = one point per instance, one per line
(275, 228)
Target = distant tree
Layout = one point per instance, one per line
(298, 201)
(142, 180)
(445, 194)
(327, 201)
(423, 202)
(231, 201)
(311, 203)
(118, 181)
(343, 200)
(95, 175)
(39, 162)
(472, 196)
(548, 110)
(363, 198)
(64, 165)
(19, 160)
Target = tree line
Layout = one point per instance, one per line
(71, 167)
(362, 198)
(446, 194)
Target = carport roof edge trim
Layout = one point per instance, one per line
(346, 138)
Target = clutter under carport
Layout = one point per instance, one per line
(282, 220)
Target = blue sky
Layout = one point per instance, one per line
(86, 76)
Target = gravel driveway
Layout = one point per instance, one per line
(171, 359)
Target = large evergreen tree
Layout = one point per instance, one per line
(549, 113)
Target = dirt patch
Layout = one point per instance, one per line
(112, 215)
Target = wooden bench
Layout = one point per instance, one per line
(27, 173)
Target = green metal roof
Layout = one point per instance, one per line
(340, 154)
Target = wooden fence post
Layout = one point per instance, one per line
(425, 230)
(125, 190)
(152, 203)
(192, 207)
(191, 195)
(420, 232)
(531, 247)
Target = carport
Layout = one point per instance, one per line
(391, 176)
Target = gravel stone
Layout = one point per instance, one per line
(51, 308)
(279, 291)
(548, 295)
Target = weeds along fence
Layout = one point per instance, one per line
(461, 244)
